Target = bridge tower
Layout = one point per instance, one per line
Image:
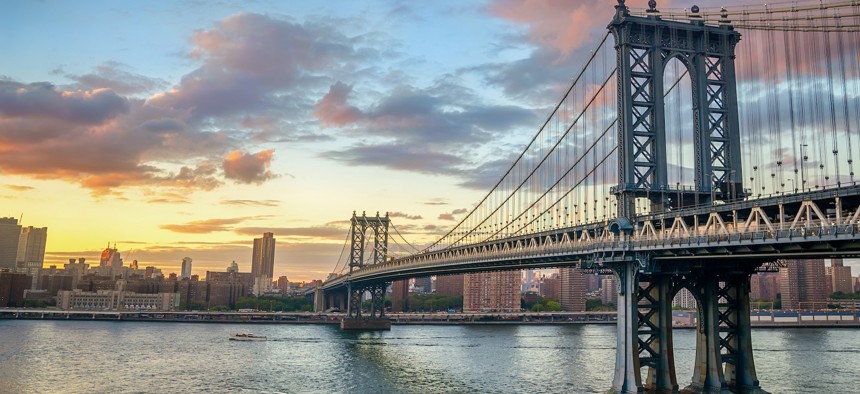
(378, 227)
(644, 45)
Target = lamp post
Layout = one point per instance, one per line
(803, 158)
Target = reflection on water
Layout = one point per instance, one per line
(84, 357)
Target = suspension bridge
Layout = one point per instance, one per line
(695, 148)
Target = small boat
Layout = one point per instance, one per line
(247, 337)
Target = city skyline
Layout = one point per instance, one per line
(170, 143)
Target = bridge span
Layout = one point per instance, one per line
(670, 173)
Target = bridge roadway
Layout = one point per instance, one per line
(818, 223)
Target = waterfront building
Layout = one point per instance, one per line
(450, 285)
(802, 284)
(185, 273)
(225, 288)
(10, 233)
(116, 300)
(684, 299)
(572, 287)
(497, 291)
(608, 289)
(263, 258)
(399, 295)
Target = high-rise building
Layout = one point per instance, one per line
(609, 289)
(492, 291)
(233, 267)
(802, 284)
(550, 287)
(10, 233)
(263, 259)
(31, 246)
(186, 268)
(110, 262)
(684, 299)
(764, 286)
(841, 278)
(450, 285)
(572, 287)
(592, 283)
(423, 285)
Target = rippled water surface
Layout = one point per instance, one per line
(102, 357)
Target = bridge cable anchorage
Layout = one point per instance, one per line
(522, 155)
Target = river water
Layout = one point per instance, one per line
(144, 357)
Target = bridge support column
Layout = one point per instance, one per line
(708, 369)
(376, 320)
(655, 325)
(627, 377)
(740, 370)
(723, 335)
(319, 300)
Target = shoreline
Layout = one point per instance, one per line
(432, 319)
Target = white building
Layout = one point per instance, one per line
(684, 299)
(186, 268)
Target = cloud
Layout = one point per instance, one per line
(253, 83)
(248, 168)
(19, 188)
(446, 216)
(436, 201)
(43, 100)
(322, 232)
(254, 62)
(333, 109)
(252, 203)
(404, 215)
(114, 76)
(451, 215)
(204, 226)
(433, 130)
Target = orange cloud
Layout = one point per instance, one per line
(248, 168)
(561, 25)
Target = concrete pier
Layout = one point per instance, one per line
(365, 324)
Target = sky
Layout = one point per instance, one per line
(176, 129)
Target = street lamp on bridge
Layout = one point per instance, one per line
(802, 168)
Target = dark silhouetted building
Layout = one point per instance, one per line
(12, 286)
(399, 295)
